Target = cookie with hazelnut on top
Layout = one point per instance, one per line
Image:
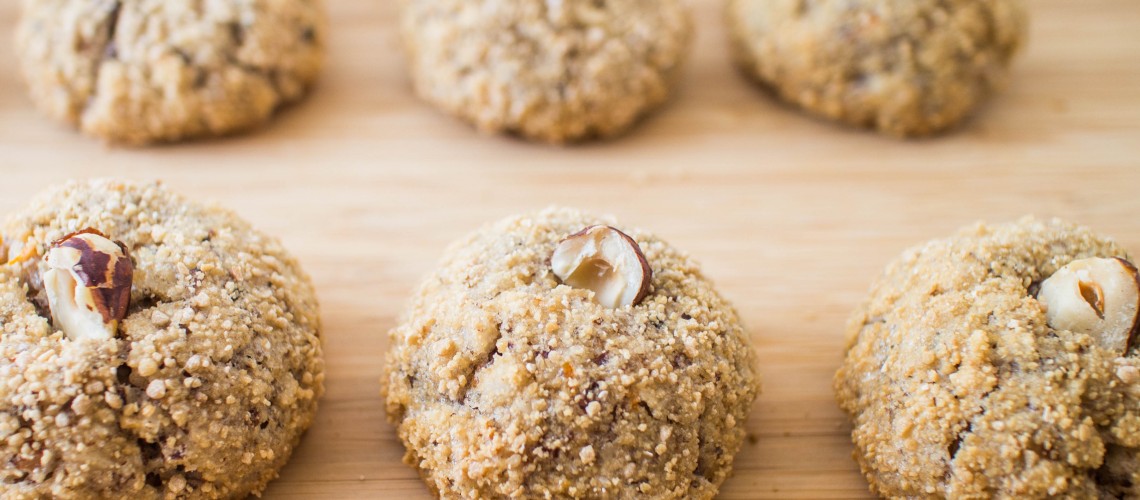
(150, 347)
(1001, 362)
(560, 355)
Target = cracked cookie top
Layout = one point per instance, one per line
(549, 71)
(145, 71)
(208, 382)
(959, 387)
(505, 383)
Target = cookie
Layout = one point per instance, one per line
(555, 72)
(147, 71)
(902, 67)
(184, 363)
(999, 363)
(504, 380)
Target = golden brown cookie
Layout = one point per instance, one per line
(999, 363)
(203, 385)
(505, 381)
(549, 71)
(903, 67)
(146, 71)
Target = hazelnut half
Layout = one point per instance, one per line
(605, 260)
(1096, 296)
(88, 283)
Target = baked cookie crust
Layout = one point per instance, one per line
(504, 383)
(902, 67)
(554, 72)
(213, 376)
(958, 387)
(145, 71)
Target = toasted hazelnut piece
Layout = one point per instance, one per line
(1096, 296)
(87, 278)
(605, 260)
(19, 253)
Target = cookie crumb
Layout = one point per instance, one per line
(587, 454)
(1128, 374)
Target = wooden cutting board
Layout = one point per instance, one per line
(792, 217)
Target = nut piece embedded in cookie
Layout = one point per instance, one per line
(88, 282)
(1096, 296)
(605, 260)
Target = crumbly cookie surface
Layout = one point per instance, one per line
(213, 377)
(902, 67)
(146, 71)
(548, 71)
(958, 387)
(504, 383)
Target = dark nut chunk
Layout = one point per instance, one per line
(605, 260)
(88, 282)
(1096, 296)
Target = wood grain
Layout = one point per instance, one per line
(791, 216)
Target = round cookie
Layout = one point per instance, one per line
(206, 386)
(960, 387)
(549, 71)
(903, 67)
(502, 382)
(147, 71)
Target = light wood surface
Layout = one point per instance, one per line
(791, 217)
